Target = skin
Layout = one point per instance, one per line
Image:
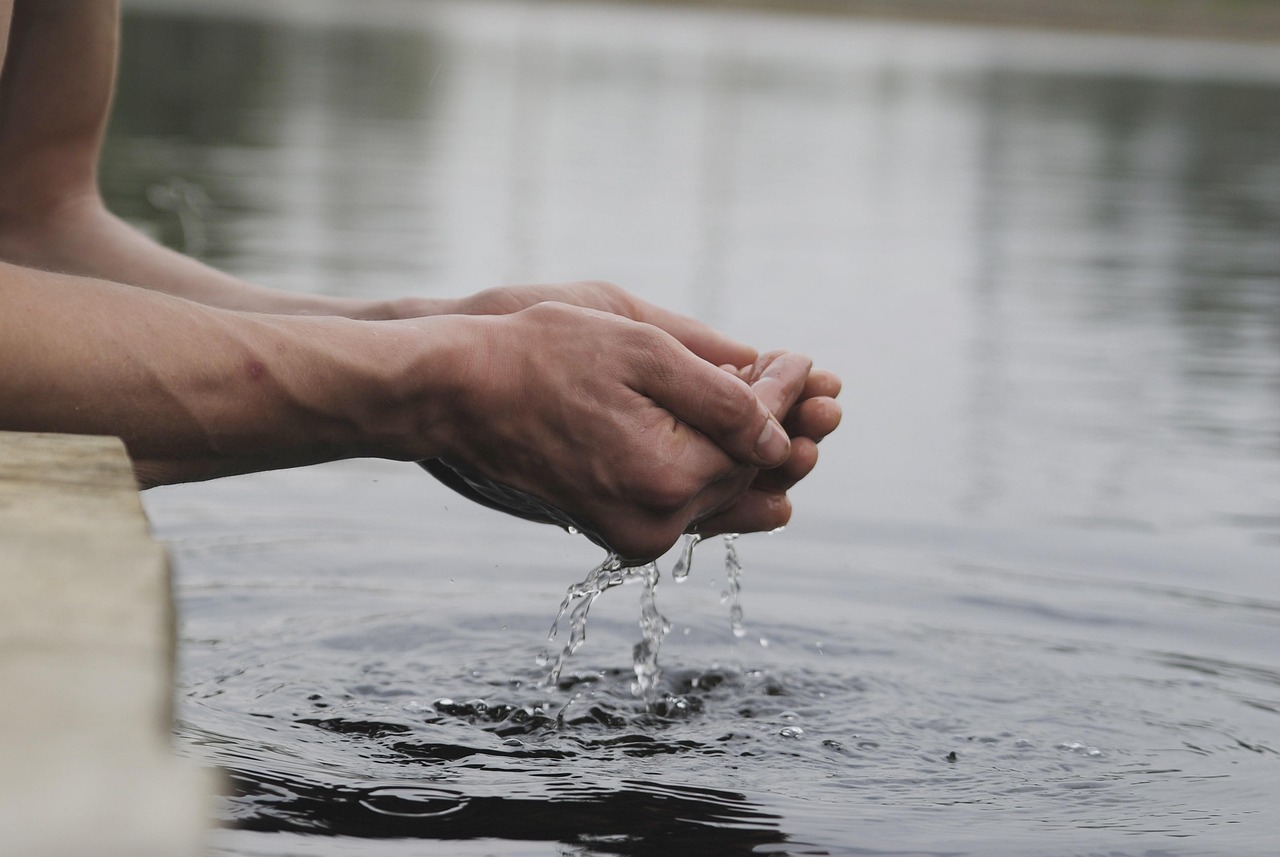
(643, 422)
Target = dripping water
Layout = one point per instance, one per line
(653, 625)
(577, 603)
(653, 628)
(733, 587)
(680, 571)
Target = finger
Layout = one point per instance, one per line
(813, 418)
(720, 406)
(702, 339)
(755, 512)
(752, 372)
(822, 382)
(779, 380)
(803, 458)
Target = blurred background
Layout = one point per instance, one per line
(1247, 19)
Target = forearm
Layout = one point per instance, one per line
(55, 93)
(82, 238)
(197, 392)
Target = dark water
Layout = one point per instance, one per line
(1030, 603)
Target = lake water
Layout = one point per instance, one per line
(1030, 600)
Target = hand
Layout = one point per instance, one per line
(765, 504)
(617, 424)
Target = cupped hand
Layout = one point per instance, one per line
(621, 426)
(764, 505)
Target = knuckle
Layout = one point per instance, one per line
(496, 301)
(612, 296)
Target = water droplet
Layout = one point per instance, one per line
(413, 706)
(1081, 749)
(791, 732)
(680, 571)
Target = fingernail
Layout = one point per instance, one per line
(773, 445)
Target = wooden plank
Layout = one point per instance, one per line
(86, 662)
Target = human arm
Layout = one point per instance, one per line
(86, 355)
(194, 391)
(55, 97)
(612, 420)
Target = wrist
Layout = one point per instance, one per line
(400, 309)
(403, 384)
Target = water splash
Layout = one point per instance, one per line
(680, 571)
(653, 628)
(733, 588)
(577, 603)
(653, 625)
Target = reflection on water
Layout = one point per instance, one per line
(1043, 545)
(1128, 291)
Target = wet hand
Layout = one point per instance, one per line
(815, 414)
(618, 424)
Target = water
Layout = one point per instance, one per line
(684, 562)
(733, 588)
(1029, 602)
(577, 603)
(653, 625)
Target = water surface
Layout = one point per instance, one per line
(1030, 603)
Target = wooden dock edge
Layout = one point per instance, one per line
(87, 645)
